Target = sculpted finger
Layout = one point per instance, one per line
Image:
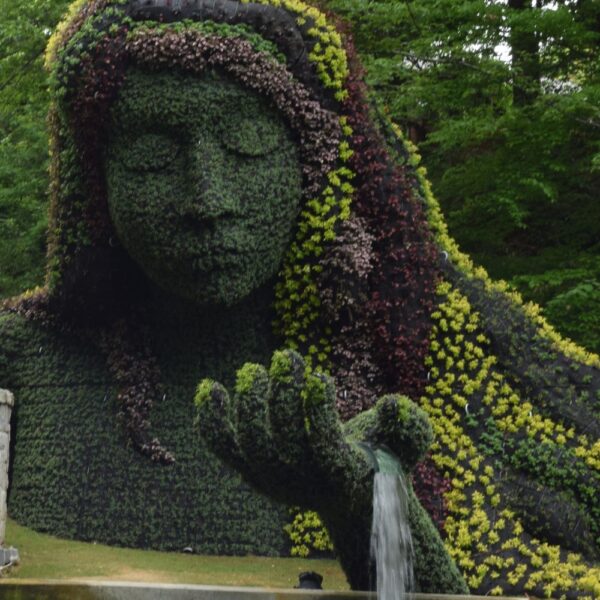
(286, 412)
(216, 422)
(344, 464)
(254, 437)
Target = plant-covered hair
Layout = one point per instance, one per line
(359, 277)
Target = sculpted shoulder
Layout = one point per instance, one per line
(7, 327)
(17, 338)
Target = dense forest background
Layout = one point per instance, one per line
(502, 98)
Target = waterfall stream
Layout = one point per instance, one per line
(391, 540)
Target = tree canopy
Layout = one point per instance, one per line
(24, 30)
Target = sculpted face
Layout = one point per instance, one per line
(204, 183)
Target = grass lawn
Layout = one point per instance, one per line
(47, 557)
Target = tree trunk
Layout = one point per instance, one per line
(525, 58)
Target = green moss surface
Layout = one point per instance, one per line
(370, 289)
(280, 429)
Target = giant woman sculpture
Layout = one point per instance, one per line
(222, 189)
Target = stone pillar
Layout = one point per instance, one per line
(6, 403)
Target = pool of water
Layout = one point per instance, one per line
(113, 590)
(102, 590)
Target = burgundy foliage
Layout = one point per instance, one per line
(317, 128)
(136, 372)
(404, 273)
(100, 79)
(344, 292)
(430, 487)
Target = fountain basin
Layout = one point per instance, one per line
(120, 590)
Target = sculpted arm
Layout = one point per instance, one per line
(280, 430)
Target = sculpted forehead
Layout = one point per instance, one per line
(172, 99)
(188, 110)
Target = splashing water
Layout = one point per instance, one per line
(391, 540)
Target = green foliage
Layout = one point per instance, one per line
(75, 474)
(203, 391)
(544, 475)
(498, 380)
(315, 393)
(24, 30)
(286, 439)
(576, 313)
(281, 367)
(570, 295)
(246, 377)
(431, 561)
(84, 90)
(510, 147)
(515, 430)
(397, 423)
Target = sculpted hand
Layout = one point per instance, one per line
(281, 431)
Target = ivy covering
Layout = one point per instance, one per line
(370, 289)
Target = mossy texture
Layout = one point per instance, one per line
(74, 474)
(204, 187)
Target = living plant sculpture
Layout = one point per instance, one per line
(223, 186)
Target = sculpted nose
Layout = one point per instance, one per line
(208, 195)
(207, 200)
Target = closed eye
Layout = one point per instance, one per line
(151, 152)
(252, 137)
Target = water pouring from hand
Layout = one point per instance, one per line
(391, 540)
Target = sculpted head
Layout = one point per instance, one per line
(211, 147)
(191, 148)
(204, 183)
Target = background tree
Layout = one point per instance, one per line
(24, 29)
(503, 99)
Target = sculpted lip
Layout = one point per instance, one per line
(210, 227)
(207, 264)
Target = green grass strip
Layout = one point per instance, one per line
(47, 557)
